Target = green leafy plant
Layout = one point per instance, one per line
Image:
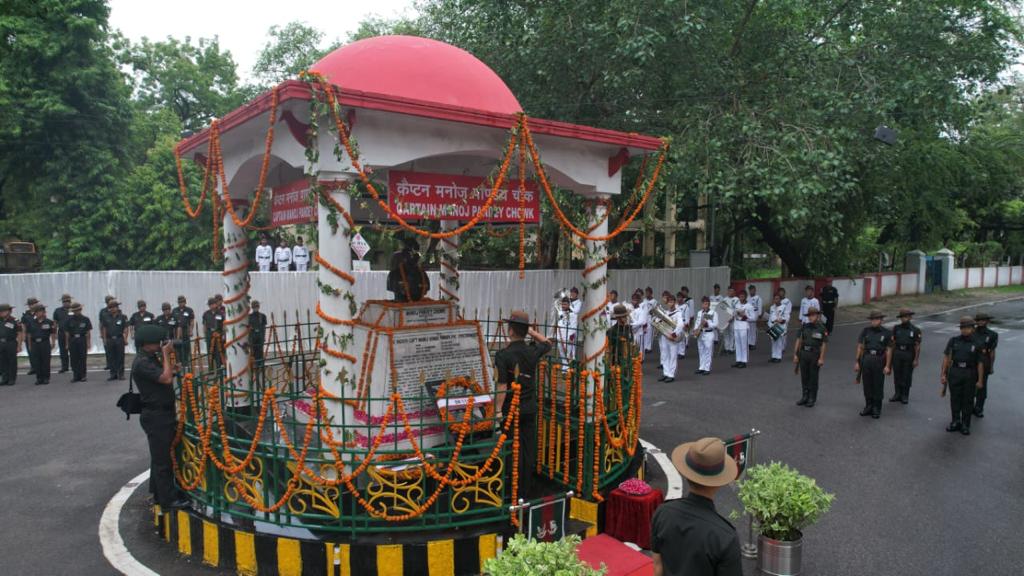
(782, 500)
(523, 557)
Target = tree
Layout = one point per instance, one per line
(291, 49)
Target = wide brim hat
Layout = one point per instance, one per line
(5, 307)
(904, 313)
(149, 334)
(705, 462)
(113, 303)
(65, 298)
(966, 321)
(518, 317)
(982, 316)
(620, 311)
(76, 305)
(876, 315)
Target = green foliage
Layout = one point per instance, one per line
(782, 500)
(523, 557)
(290, 49)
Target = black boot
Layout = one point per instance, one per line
(905, 397)
(803, 399)
(953, 426)
(896, 396)
(866, 411)
(812, 398)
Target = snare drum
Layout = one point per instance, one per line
(775, 331)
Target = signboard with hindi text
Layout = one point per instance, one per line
(415, 195)
(291, 205)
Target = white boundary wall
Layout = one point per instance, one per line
(280, 292)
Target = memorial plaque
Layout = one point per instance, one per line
(419, 315)
(429, 355)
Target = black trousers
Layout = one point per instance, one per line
(982, 395)
(872, 379)
(184, 351)
(8, 362)
(830, 317)
(809, 372)
(77, 354)
(256, 345)
(40, 355)
(527, 453)
(115, 356)
(902, 371)
(62, 347)
(213, 352)
(159, 426)
(962, 382)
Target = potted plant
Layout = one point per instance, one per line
(523, 557)
(782, 502)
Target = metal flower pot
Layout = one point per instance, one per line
(779, 557)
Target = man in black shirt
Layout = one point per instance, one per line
(102, 319)
(809, 356)
(874, 363)
(42, 335)
(517, 362)
(11, 336)
(153, 373)
(988, 339)
(79, 336)
(112, 329)
(906, 339)
(963, 370)
(27, 318)
(140, 317)
(829, 298)
(213, 325)
(168, 321)
(257, 332)
(620, 339)
(60, 317)
(186, 326)
(688, 537)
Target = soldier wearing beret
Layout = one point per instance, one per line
(963, 371)
(60, 317)
(27, 318)
(186, 326)
(213, 325)
(906, 352)
(988, 339)
(42, 335)
(874, 363)
(153, 373)
(809, 356)
(112, 329)
(78, 329)
(11, 337)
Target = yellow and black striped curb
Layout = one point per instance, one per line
(229, 547)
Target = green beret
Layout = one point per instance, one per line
(149, 334)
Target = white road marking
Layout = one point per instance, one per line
(675, 480)
(110, 536)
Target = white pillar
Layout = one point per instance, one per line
(595, 285)
(946, 257)
(915, 261)
(236, 304)
(339, 306)
(449, 288)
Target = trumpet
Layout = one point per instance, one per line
(700, 327)
(662, 321)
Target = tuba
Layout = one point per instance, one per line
(661, 321)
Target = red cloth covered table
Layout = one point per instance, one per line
(628, 517)
(619, 559)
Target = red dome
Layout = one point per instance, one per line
(421, 69)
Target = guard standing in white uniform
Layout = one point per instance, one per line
(300, 255)
(758, 304)
(778, 314)
(264, 255)
(670, 342)
(741, 329)
(806, 303)
(704, 332)
(283, 258)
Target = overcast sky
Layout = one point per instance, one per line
(242, 25)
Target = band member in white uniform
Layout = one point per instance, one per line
(575, 304)
(741, 329)
(300, 254)
(565, 334)
(716, 297)
(779, 314)
(728, 335)
(264, 255)
(638, 323)
(649, 303)
(758, 304)
(685, 304)
(808, 302)
(613, 301)
(283, 258)
(670, 342)
(704, 332)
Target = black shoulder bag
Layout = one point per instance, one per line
(131, 401)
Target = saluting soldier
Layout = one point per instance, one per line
(257, 331)
(213, 325)
(60, 317)
(11, 337)
(809, 356)
(963, 371)
(989, 339)
(27, 318)
(79, 336)
(42, 335)
(874, 362)
(186, 327)
(829, 297)
(906, 352)
(112, 329)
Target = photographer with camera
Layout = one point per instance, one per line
(153, 373)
